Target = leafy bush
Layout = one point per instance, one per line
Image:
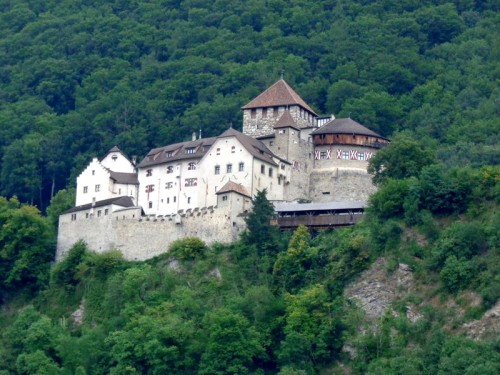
(188, 248)
(65, 272)
(456, 273)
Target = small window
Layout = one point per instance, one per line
(263, 169)
(150, 188)
(114, 157)
(241, 167)
(218, 151)
(170, 169)
(168, 200)
(271, 143)
(73, 217)
(233, 149)
(189, 200)
(217, 169)
(345, 155)
(275, 111)
(119, 191)
(361, 156)
(229, 168)
(149, 173)
(191, 166)
(169, 185)
(99, 213)
(190, 150)
(87, 215)
(85, 189)
(282, 166)
(190, 182)
(93, 173)
(97, 188)
(150, 204)
(253, 113)
(106, 211)
(224, 198)
(270, 172)
(175, 199)
(264, 112)
(322, 155)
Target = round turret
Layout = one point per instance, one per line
(344, 131)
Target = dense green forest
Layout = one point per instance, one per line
(77, 77)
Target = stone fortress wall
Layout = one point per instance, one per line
(140, 238)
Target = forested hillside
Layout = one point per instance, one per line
(77, 77)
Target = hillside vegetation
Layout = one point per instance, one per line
(78, 77)
(271, 303)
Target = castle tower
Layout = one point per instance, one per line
(263, 112)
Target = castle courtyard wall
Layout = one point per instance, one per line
(140, 238)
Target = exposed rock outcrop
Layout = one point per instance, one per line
(376, 289)
(486, 327)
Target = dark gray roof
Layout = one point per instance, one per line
(233, 186)
(327, 206)
(179, 152)
(345, 126)
(119, 201)
(116, 149)
(286, 121)
(252, 145)
(124, 178)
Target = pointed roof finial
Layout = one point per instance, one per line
(282, 73)
(230, 125)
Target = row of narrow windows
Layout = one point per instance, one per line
(266, 112)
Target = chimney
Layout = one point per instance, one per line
(199, 137)
(134, 159)
(193, 138)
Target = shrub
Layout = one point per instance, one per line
(456, 273)
(188, 248)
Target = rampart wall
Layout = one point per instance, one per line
(338, 184)
(144, 237)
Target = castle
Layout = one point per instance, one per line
(204, 187)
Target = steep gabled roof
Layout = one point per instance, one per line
(233, 186)
(124, 178)
(178, 151)
(116, 149)
(345, 126)
(119, 201)
(286, 121)
(279, 94)
(255, 147)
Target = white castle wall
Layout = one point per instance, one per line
(140, 238)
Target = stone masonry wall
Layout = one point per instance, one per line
(146, 237)
(341, 185)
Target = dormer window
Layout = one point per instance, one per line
(169, 154)
(190, 150)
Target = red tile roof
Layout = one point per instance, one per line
(233, 186)
(279, 94)
(285, 121)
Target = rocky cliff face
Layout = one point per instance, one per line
(376, 289)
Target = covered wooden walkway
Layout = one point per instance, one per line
(318, 215)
